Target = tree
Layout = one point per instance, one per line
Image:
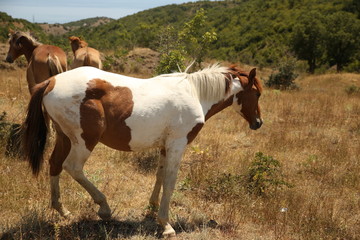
(342, 38)
(308, 39)
(197, 36)
(172, 55)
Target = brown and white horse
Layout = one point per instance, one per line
(89, 106)
(84, 55)
(44, 61)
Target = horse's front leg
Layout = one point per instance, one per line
(154, 199)
(174, 152)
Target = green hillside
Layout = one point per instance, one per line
(321, 33)
(7, 22)
(250, 31)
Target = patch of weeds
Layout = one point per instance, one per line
(352, 90)
(224, 186)
(265, 176)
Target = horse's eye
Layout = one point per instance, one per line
(258, 94)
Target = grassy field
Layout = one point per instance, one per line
(306, 183)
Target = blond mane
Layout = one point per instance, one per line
(18, 34)
(210, 84)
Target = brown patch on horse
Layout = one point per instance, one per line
(194, 132)
(219, 106)
(103, 113)
(60, 152)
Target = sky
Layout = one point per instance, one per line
(63, 11)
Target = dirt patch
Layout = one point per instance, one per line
(53, 29)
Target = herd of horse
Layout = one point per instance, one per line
(45, 61)
(87, 105)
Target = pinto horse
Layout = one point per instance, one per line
(88, 105)
(44, 61)
(84, 55)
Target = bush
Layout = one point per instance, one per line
(171, 62)
(265, 175)
(353, 67)
(284, 78)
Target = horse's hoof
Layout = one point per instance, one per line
(169, 232)
(104, 216)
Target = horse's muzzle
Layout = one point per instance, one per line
(9, 59)
(257, 124)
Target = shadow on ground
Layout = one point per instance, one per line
(35, 226)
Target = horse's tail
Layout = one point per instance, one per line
(54, 65)
(35, 129)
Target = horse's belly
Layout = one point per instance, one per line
(126, 138)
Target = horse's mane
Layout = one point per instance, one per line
(210, 83)
(214, 82)
(27, 35)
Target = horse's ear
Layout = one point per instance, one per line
(18, 41)
(11, 32)
(251, 77)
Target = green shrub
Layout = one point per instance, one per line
(264, 176)
(284, 78)
(171, 62)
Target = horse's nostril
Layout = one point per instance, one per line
(9, 59)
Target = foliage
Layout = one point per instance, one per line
(308, 39)
(342, 38)
(284, 78)
(193, 40)
(265, 176)
(7, 22)
(324, 33)
(171, 62)
(196, 37)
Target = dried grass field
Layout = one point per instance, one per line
(304, 185)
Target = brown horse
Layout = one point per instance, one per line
(84, 55)
(43, 60)
(89, 106)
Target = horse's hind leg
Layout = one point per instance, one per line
(74, 164)
(154, 199)
(61, 150)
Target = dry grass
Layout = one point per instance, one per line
(313, 132)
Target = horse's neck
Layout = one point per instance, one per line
(210, 109)
(28, 48)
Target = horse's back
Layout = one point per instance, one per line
(87, 57)
(44, 60)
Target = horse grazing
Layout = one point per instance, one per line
(44, 61)
(84, 55)
(89, 106)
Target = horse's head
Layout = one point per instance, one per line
(16, 47)
(247, 101)
(77, 43)
(20, 43)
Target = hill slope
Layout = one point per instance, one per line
(249, 31)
